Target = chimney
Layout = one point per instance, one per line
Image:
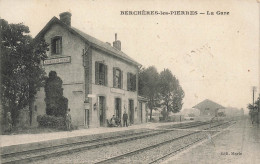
(117, 43)
(65, 17)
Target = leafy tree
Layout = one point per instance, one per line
(56, 103)
(171, 93)
(148, 87)
(254, 109)
(21, 72)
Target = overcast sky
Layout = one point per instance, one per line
(214, 57)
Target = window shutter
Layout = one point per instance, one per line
(60, 45)
(114, 77)
(52, 46)
(115, 106)
(128, 81)
(122, 80)
(96, 72)
(120, 109)
(105, 67)
(134, 82)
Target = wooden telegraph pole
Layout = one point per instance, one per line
(254, 90)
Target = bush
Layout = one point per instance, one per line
(191, 115)
(51, 121)
(56, 103)
(168, 119)
(74, 127)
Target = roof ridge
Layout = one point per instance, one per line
(98, 43)
(105, 45)
(210, 101)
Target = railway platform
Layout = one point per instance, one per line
(26, 141)
(100, 145)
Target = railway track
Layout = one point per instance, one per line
(188, 138)
(47, 152)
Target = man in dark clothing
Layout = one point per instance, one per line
(125, 117)
(68, 120)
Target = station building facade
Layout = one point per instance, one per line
(99, 80)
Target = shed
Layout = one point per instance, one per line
(208, 107)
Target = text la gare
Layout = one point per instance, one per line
(217, 13)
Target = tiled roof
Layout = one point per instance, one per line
(208, 104)
(104, 45)
(95, 42)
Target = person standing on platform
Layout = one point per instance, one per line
(68, 120)
(125, 117)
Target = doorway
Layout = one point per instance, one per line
(131, 111)
(102, 110)
(118, 108)
(141, 112)
(86, 117)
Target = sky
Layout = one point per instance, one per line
(214, 57)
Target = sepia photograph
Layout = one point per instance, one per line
(130, 81)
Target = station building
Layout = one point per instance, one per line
(208, 108)
(99, 80)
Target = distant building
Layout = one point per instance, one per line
(190, 111)
(208, 108)
(99, 80)
(232, 111)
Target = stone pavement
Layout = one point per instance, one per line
(239, 144)
(9, 140)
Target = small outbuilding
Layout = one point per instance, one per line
(208, 108)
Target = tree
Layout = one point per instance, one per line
(56, 103)
(171, 93)
(254, 110)
(148, 87)
(21, 71)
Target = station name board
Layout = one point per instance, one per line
(115, 90)
(57, 60)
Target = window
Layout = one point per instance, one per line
(118, 78)
(131, 82)
(56, 45)
(100, 73)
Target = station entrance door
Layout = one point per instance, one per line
(102, 110)
(118, 108)
(131, 111)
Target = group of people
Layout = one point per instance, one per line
(115, 121)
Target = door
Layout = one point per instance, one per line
(86, 117)
(141, 112)
(131, 111)
(102, 111)
(118, 108)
